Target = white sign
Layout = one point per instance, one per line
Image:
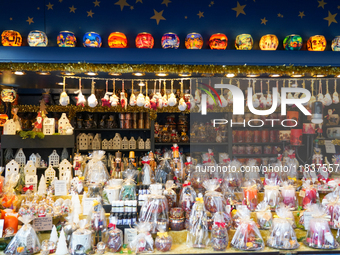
(42, 224)
(129, 235)
(330, 148)
(60, 188)
(306, 219)
(87, 205)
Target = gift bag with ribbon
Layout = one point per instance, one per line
(143, 242)
(95, 170)
(115, 238)
(147, 173)
(164, 168)
(163, 241)
(309, 193)
(250, 195)
(233, 176)
(128, 190)
(272, 194)
(219, 233)
(253, 174)
(264, 215)
(288, 195)
(333, 210)
(198, 177)
(170, 194)
(213, 200)
(187, 197)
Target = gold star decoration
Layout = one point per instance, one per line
(60, 1)
(331, 18)
(166, 2)
(141, 1)
(72, 9)
(301, 14)
(96, 3)
(158, 16)
(122, 3)
(131, 7)
(49, 6)
(212, 3)
(264, 21)
(200, 14)
(30, 20)
(322, 4)
(239, 9)
(280, 15)
(90, 13)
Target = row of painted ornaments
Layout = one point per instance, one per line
(170, 41)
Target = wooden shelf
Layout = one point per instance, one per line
(136, 150)
(49, 142)
(254, 155)
(110, 129)
(165, 144)
(263, 144)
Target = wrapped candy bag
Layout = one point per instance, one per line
(234, 176)
(247, 236)
(250, 195)
(208, 160)
(198, 176)
(155, 210)
(25, 241)
(95, 171)
(309, 193)
(213, 200)
(282, 234)
(147, 173)
(288, 195)
(9, 199)
(272, 194)
(143, 242)
(97, 222)
(187, 197)
(115, 238)
(238, 213)
(219, 233)
(81, 238)
(198, 236)
(333, 210)
(163, 241)
(332, 195)
(163, 169)
(128, 191)
(253, 174)
(170, 194)
(319, 234)
(189, 167)
(264, 215)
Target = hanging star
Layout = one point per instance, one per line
(200, 14)
(264, 21)
(90, 13)
(158, 16)
(331, 18)
(280, 15)
(50, 6)
(239, 9)
(96, 3)
(166, 2)
(72, 9)
(322, 4)
(122, 3)
(30, 20)
(140, 1)
(301, 14)
(131, 7)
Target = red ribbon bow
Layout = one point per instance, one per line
(173, 134)
(28, 188)
(146, 162)
(226, 160)
(186, 184)
(292, 155)
(211, 154)
(207, 161)
(188, 163)
(111, 225)
(220, 224)
(174, 148)
(279, 157)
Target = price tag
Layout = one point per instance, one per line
(42, 224)
(330, 148)
(129, 235)
(60, 188)
(302, 193)
(87, 205)
(306, 219)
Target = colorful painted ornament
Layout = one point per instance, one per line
(133, 100)
(147, 102)
(218, 41)
(336, 44)
(117, 40)
(66, 39)
(316, 43)
(92, 40)
(292, 42)
(11, 38)
(269, 42)
(37, 38)
(170, 41)
(194, 41)
(144, 41)
(123, 100)
(244, 42)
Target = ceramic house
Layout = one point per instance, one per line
(49, 174)
(116, 142)
(132, 144)
(111, 144)
(10, 127)
(97, 142)
(12, 167)
(49, 126)
(31, 180)
(53, 159)
(63, 122)
(82, 142)
(125, 144)
(20, 157)
(30, 168)
(147, 144)
(140, 144)
(89, 141)
(36, 159)
(105, 144)
(65, 171)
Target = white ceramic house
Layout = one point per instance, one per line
(105, 144)
(30, 168)
(63, 122)
(12, 167)
(89, 141)
(116, 142)
(147, 144)
(132, 144)
(53, 159)
(97, 142)
(125, 144)
(140, 143)
(49, 126)
(65, 171)
(10, 127)
(83, 142)
(49, 174)
(36, 159)
(20, 157)
(31, 180)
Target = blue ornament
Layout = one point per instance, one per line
(170, 41)
(92, 40)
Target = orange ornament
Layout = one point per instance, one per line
(316, 43)
(218, 41)
(117, 40)
(11, 38)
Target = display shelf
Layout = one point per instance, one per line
(254, 155)
(49, 142)
(165, 144)
(136, 150)
(263, 144)
(110, 129)
(217, 144)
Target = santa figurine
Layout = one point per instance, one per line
(38, 124)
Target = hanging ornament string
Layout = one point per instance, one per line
(122, 85)
(221, 88)
(107, 85)
(320, 87)
(79, 83)
(146, 88)
(172, 86)
(261, 87)
(312, 85)
(114, 87)
(140, 87)
(164, 86)
(131, 87)
(304, 84)
(64, 83)
(182, 87)
(154, 88)
(268, 88)
(254, 86)
(327, 91)
(92, 86)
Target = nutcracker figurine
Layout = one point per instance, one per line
(117, 166)
(177, 165)
(132, 159)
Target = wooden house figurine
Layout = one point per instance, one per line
(125, 144)
(97, 142)
(31, 180)
(12, 167)
(49, 126)
(36, 159)
(49, 174)
(65, 171)
(30, 168)
(116, 142)
(105, 144)
(140, 143)
(132, 144)
(82, 142)
(53, 159)
(147, 144)
(20, 157)
(10, 127)
(89, 141)
(63, 123)
(111, 144)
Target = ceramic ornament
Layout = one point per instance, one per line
(320, 96)
(335, 94)
(172, 101)
(165, 97)
(312, 98)
(133, 100)
(147, 102)
(327, 99)
(64, 99)
(193, 103)
(140, 100)
(62, 245)
(153, 103)
(197, 96)
(106, 99)
(42, 186)
(182, 105)
(80, 98)
(123, 99)
(92, 100)
(54, 235)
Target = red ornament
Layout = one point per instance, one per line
(144, 41)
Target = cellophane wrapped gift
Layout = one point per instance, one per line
(233, 177)
(26, 240)
(288, 195)
(209, 161)
(147, 173)
(190, 166)
(163, 169)
(9, 198)
(170, 194)
(253, 174)
(272, 194)
(231, 197)
(250, 195)
(187, 197)
(95, 170)
(292, 164)
(143, 242)
(333, 210)
(247, 236)
(264, 215)
(301, 215)
(319, 234)
(163, 241)
(213, 200)
(238, 213)
(115, 238)
(81, 238)
(198, 176)
(97, 222)
(155, 210)
(219, 233)
(332, 195)
(198, 236)
(128, 191)
(225, 216)
(282, 234)
(309, 193)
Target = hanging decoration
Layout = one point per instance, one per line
(154, 101)
(114, 100)
(123, 99)
(290, 95)
(335, 94)
(92, 100)
(64, 98)
(256, 102)
(320, 96)
(224, 102)
(172, 101)
(147, 99)
(165, 97)
(312, 98)
(106, 99)
(133, 100)
(269, 96)
(181, 104)
(327, 98)
(263, 100)
(80, 98)
(230, 95)
(303, 94)
(140, 97)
